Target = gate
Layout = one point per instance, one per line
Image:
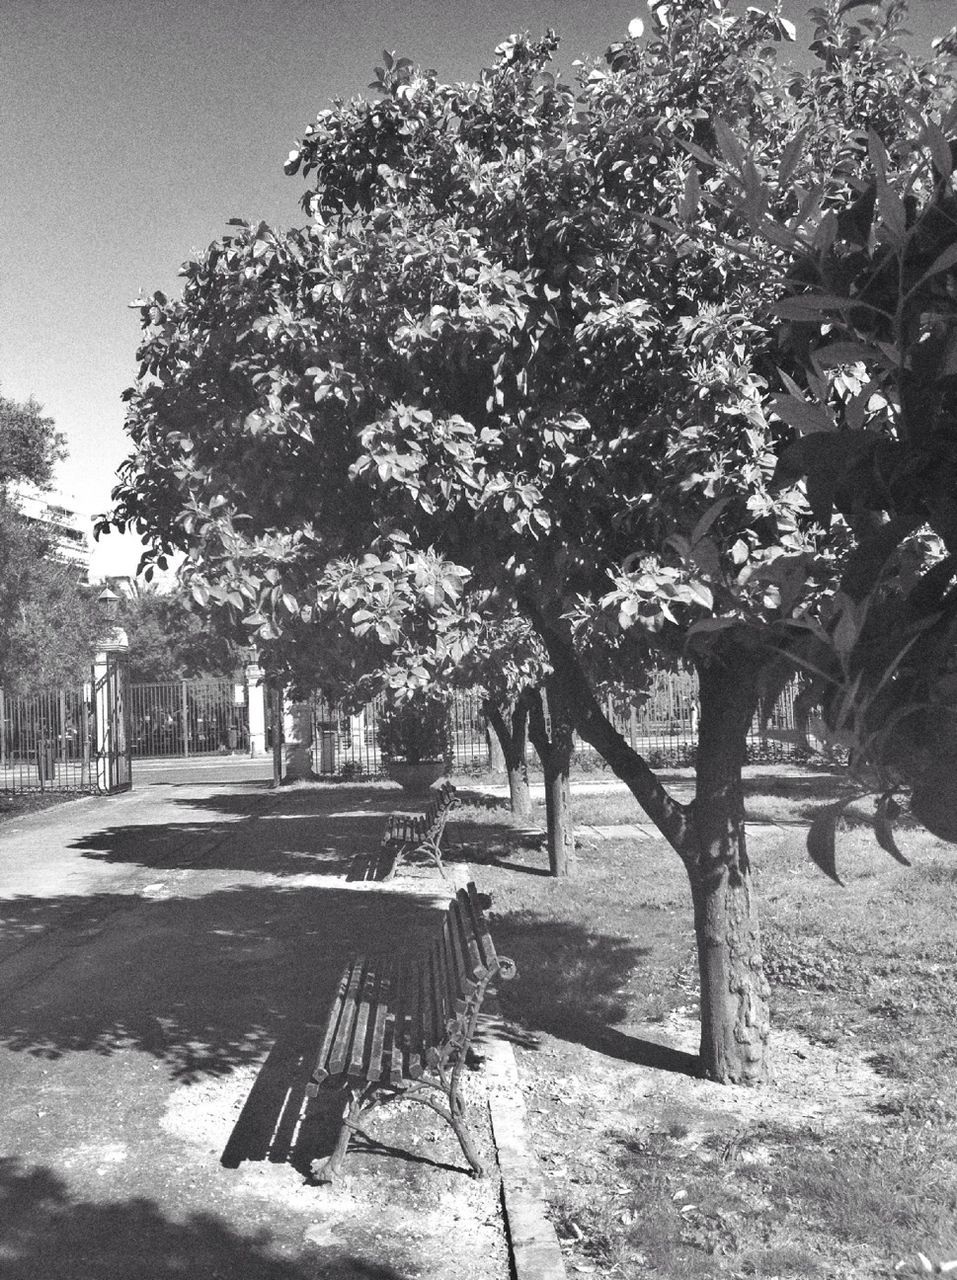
(111, 706)
(188, 718)
(72, 740)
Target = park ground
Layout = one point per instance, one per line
(163, 956)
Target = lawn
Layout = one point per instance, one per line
(846, 1165)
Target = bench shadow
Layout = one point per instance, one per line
(281, 1124)
(569, 985)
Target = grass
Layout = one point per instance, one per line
(847, 1164)
(15, 804)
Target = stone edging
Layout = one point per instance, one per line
(533, 1243)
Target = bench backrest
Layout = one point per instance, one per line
(390, 1021)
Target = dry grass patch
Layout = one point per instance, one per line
(844, 1166)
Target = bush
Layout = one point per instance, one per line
(415, 730)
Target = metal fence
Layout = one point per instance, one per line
(348, 742)
(188, 718)
(663, 727)
(46, 741)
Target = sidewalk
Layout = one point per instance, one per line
(165, 958)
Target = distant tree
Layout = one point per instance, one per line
(48, 618)
(170, 640)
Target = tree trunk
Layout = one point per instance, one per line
(512, 736)
(708, 835)
(552, 739)
(734, 993)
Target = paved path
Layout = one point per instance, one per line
(165, 957)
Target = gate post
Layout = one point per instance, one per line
(256, 707)
(111, 703)
(297, 739)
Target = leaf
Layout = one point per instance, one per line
(878, 154)
(821, 839)
(943, 262)
(891, 208)
(790, 157)
(808, 306)
(729, 145)
(691, 196)
(806, 417)
(939, 150)
(884, 830)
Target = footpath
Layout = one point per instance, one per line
(165, 961)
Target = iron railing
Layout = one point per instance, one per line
(188, 718)
(663, 727)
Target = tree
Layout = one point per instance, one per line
(869, 328)
(48, 619)
(526, 327)
(169, 640)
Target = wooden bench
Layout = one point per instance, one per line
(407, 834)
(402, 1028)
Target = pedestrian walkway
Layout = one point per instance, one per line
(165, 960)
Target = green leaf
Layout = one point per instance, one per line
(943, 262)
(939, 150)
(821, 839)
(790, 157)
(729, 145)
(884, 830)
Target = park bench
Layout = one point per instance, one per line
(403, 1028)
(407, 834)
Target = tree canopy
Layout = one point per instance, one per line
(48, 619)
(528, 332)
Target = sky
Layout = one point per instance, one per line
(131, 130)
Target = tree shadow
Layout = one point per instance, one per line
(569, 986)
(203, 984)
(45, 1232)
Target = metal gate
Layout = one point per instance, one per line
(111, 710)
(188, 718)
(72, 740)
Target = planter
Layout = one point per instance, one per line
(415, 778)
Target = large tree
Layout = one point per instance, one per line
(526, 327)
(48, 619)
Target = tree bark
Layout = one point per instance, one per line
(552, 739)
(709, 837)
(512, 735)
(735, 1017)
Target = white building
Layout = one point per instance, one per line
(67, 529)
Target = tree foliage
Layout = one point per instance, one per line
(525, 337)
(48, 619)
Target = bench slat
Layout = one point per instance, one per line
(414, 1048)
(392, 1062)
(339, 1053)
(365, 1003)
(377, 1038)
(436, 1005)
(471, 959)
(458, 980)
(333, 1018)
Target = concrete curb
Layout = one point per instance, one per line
(533, 1243)
(536, 1254)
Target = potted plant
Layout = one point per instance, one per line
(415, 742)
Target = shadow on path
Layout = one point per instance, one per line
(45, 1232)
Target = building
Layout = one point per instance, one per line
(67, 529)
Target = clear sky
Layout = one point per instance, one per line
(130, 130)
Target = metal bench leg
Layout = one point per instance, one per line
(461, 1129)
(350, 1116)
